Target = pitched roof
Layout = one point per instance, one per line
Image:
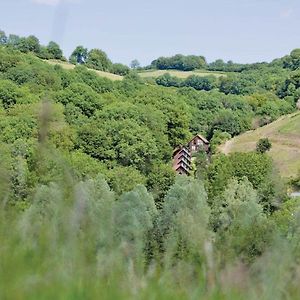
(179, 149)
(184, 168)
(188, 157)
(200, 137)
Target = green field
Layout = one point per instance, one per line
(69, 66)
(143, 74)
(179, 74)
(285, 137)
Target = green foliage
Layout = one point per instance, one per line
(54, 50)
(97, 59)
(184, 216)
(34, 73)
(296, 181)
(200, 83)
(125, 240)
(98, 84)
(167, 80)
(73, 171)
(24, 44)
(124, 179)
(17, 125)
(197, 82)
(82, 96)
(84, 166)
(13, 41)
(135, 64)
(179, 62)
(231, 85)
(286, 216)
(119, 69)
(230, 66)
(8, 60)
(32, 44)
(201, 164)
(9, 93)
(219, 173)
(230, 122)
(127, 124)
(257, 168)
(217, 139)
(3, 38)
(134, 215)
(124, 142)
(263, 145)
(244, 230)
(291, 86)
(79, 55)
(292, 61)
(159, 180)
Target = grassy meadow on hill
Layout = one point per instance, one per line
(285, 137)
(69, 66)
(180, 74)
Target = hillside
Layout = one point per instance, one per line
(180, 74)
(91, 207)
(285, 137)
(69, 66)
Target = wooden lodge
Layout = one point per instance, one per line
(182, 156)
(198, 143)
(182, 161)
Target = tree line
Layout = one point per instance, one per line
(94, 58)
(193, 62)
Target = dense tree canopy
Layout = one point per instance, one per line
(90, 205)
(180, 62)
(54, 50)
(79, 55)
(97, 59)
(292, 61)
(128, 126)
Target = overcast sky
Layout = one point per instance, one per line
(238, 30)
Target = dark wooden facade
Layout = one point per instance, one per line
(182, 161)
(182, 156)
(198, 143)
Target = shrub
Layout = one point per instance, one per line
(263, 145)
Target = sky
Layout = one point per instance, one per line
(244, 31)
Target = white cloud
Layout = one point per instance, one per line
(286, 13)
(52, 2)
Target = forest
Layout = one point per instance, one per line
(90, 205)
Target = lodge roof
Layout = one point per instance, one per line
(188, 157)
(181, 148)
(201, 138)
(181, 166)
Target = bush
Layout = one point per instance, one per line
(167, 80)
(263, 145)
(180, 62)
(119, 69)
(200, 83)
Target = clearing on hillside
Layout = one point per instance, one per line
(180, 74)
(69, 66)
(285, 137)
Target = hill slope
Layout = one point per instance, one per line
(180, 74)
(285, 137)
(69, 66)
